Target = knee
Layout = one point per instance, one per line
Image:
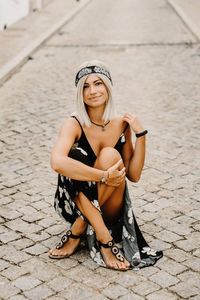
(107, 157)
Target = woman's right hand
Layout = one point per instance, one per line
(116, 174)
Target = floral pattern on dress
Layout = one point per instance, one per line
(149, 251)
(130, 216)
(128, 235)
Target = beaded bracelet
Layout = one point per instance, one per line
(141, 133)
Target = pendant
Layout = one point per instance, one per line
(103, 127)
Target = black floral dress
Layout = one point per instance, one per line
(125, 231)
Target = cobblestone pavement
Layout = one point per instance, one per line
(155, 63)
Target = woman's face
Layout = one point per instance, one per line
(94, 91)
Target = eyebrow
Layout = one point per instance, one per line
(94, 81)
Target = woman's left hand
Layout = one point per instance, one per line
(134, 122)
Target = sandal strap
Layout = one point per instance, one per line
(114, 249)
(107, 245)
(66, 237)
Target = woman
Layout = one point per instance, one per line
(93, 155)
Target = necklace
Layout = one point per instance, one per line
(102, 126)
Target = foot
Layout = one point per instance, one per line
(66, 250)
(112, 261)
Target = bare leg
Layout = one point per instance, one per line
(68, 248)
(110, 200)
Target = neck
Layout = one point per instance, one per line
(96, 114)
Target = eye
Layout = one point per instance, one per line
(98, 83)
(85, 86)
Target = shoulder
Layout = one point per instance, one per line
(70, 127)
(119, 122)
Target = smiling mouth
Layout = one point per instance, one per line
(94, 98)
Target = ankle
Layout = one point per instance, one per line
(78, 227)
(104, 239)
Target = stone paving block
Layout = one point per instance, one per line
(130, 279)
(97, 297)
(9, 214)
(9, 236)
(190, 277)
(172, 267)
(96, 281)
(66, 265)
(40, 205)
(39, 292)
(77, 291)
(3, 229)
(76, 273)
(6, 200)
(23, 227)
(51, 242)
(167, 236)
(145, 288)
(147, 272)
(47, 222)
(58, 297)
(56, 229)
(36, 249)
(22, 243)
(185, 290)
(26, 282)
(16, 256)
(164, 279)
(177, 254)
(150, 228)
(13, 272)
(1, 220)
(194, 298)
(197, 252)
(8, 191)
(160, 245)
(3, 264)
(27, 210)
(193, 263)
(130, 296)
(173, 226)
(41, 270)
(194, 214)
(185, 220)
(3, 280)
(113, 291)
(38, 236)
(7, 291)
(17, 297)
(187, 244)
(162, 295)
(59, 283)
(90, 264)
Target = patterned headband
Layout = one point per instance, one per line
(91, 69)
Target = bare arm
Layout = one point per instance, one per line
(73, 168)
(65, 165)
(134, 158)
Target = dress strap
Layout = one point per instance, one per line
(126, 127)
(78, 122)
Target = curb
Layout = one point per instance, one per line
(186, 20)
(19, 60)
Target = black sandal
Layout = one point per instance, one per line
(115, 250)
(63, 241)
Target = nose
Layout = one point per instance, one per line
(92, 89)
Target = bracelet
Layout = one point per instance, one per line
(141, 133)
(103, 179)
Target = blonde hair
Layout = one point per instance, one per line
(81, 111)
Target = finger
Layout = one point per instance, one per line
(116, 166)
(123, 170)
